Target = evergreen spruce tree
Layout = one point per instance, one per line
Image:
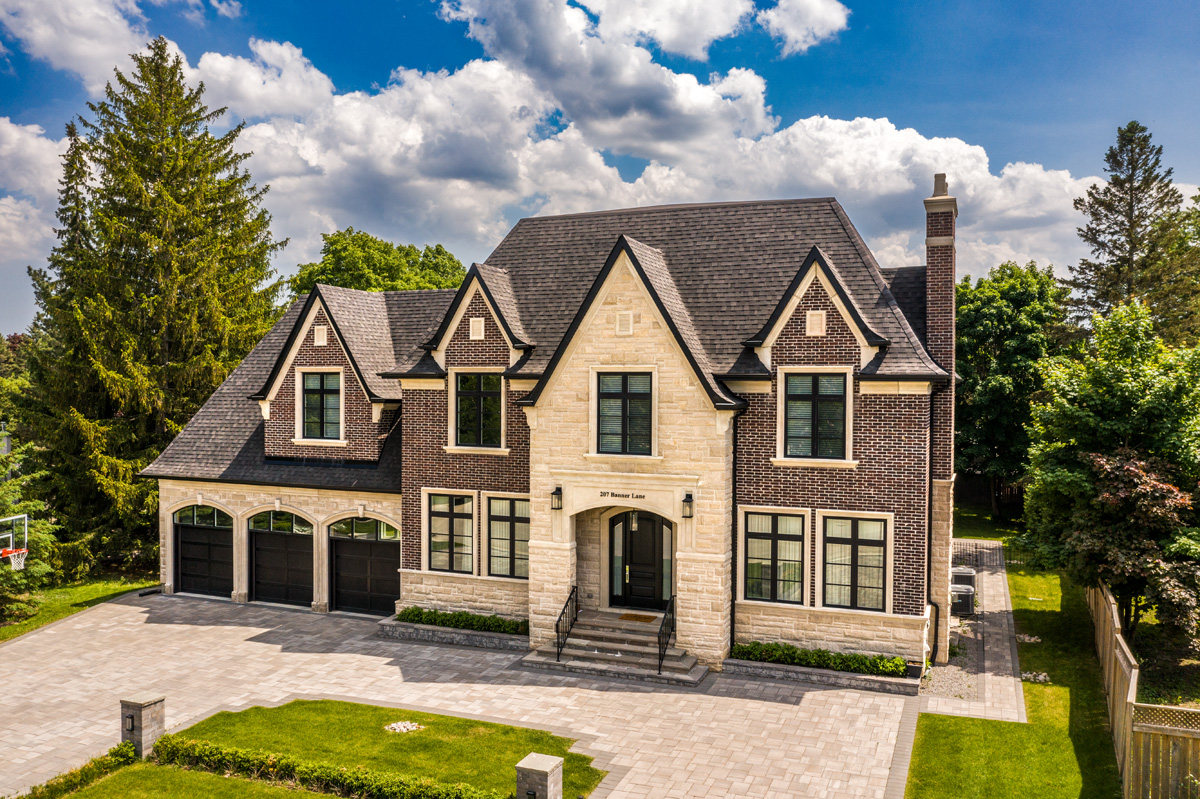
(161, 282)
(1123, 229)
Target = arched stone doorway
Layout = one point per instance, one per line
(641, 548)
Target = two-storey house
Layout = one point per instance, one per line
(729, 408)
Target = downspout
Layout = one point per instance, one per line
(937, 624)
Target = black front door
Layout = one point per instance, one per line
(640, 554)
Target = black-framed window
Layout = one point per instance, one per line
(625, 410)
(477, 416)
(775, 557)
(508, 537)
(855, 563)
(322, 405)
(203, 516)
(815, 416)
(451, 533)
(364, 528)
(279, 521)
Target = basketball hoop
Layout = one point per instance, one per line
(16, 555)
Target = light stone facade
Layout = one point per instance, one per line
(322, 507)
(467, 592)
(692, 453)
(943, 534)
(858, 632)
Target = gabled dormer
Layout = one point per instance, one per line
(322, 399)
(481, 327)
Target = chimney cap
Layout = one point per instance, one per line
(940, 189)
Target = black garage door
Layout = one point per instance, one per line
(282, 558)
(366, 564)
(203, 551)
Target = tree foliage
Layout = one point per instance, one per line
(14, 380)
(1005, 323)
(1172, 289)
(1125, 227)
(356, 260)
(1114, 458)
(160, 283)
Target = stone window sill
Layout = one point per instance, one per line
(817, 463)
(462, 576)
(320, 442)
(497, 451)
(809, 609)
(607, 456)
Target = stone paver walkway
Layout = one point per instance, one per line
(1003, 698)
(730, 737)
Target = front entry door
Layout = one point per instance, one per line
(641, 560)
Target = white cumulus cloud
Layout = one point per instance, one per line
(800, 24)
(278, 80)
(686, 27)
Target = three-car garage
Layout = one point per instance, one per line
(364, 559)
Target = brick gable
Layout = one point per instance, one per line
(364, 437)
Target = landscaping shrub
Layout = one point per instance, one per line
(461, 620)
(820, 659)
(117, 757)
(339, 780)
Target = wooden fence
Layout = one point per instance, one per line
(1158, 746)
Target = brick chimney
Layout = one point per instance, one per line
(941, 210)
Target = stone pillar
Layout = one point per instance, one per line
(166, 547)
(943, 546)
(703, 606)
(540, 777)
(320, 600)
(241, 560)
(551, 572)
(143, 721)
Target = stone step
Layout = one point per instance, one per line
(581, 630)
(624, 646)
(539, 659)
(682, 662)
(597, 620)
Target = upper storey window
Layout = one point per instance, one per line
(815, 416)
(323, 405)
(478, 414)
(625, 410)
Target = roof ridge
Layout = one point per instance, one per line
(674, 206)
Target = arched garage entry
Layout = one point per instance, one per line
(281, 558)
(203, 551)
(366, 565)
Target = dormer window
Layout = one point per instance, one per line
(478, 413)
(625, 411)
(322, 405)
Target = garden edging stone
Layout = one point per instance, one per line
(906, 686)
(427, 633)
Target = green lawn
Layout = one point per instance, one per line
(1168, 668)
(449, 749)
(60, 602)
(147, 781)
(1065, 750)
(972, 521)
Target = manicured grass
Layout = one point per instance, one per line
(449, 749)
(971, 521)
(1065, 750)
(147, 781)
(60, 602)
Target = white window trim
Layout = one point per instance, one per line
(485, 533)
(452, 411)
(781, 414)
(425, 493)
(889, 562)
(593, 448)
(805, 600)
(300, 440)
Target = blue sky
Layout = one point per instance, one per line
(446, 121)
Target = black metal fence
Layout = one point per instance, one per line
(566, 620)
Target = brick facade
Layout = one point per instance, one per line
(425, 434)
(890, 443)
(364, 437)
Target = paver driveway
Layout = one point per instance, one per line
(731, 737)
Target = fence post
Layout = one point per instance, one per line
(540, 777)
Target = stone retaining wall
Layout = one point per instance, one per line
(840, 631)
(907, 686)
(404, 631)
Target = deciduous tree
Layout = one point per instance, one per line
(356, 260)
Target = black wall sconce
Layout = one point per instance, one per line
(556, 499)
(129, 722)
(687, 506)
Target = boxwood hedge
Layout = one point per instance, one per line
(820, 659)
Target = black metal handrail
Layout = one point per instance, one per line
(665, 631)
(566, 620)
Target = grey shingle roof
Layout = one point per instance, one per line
(907, 284)
(730, 264)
